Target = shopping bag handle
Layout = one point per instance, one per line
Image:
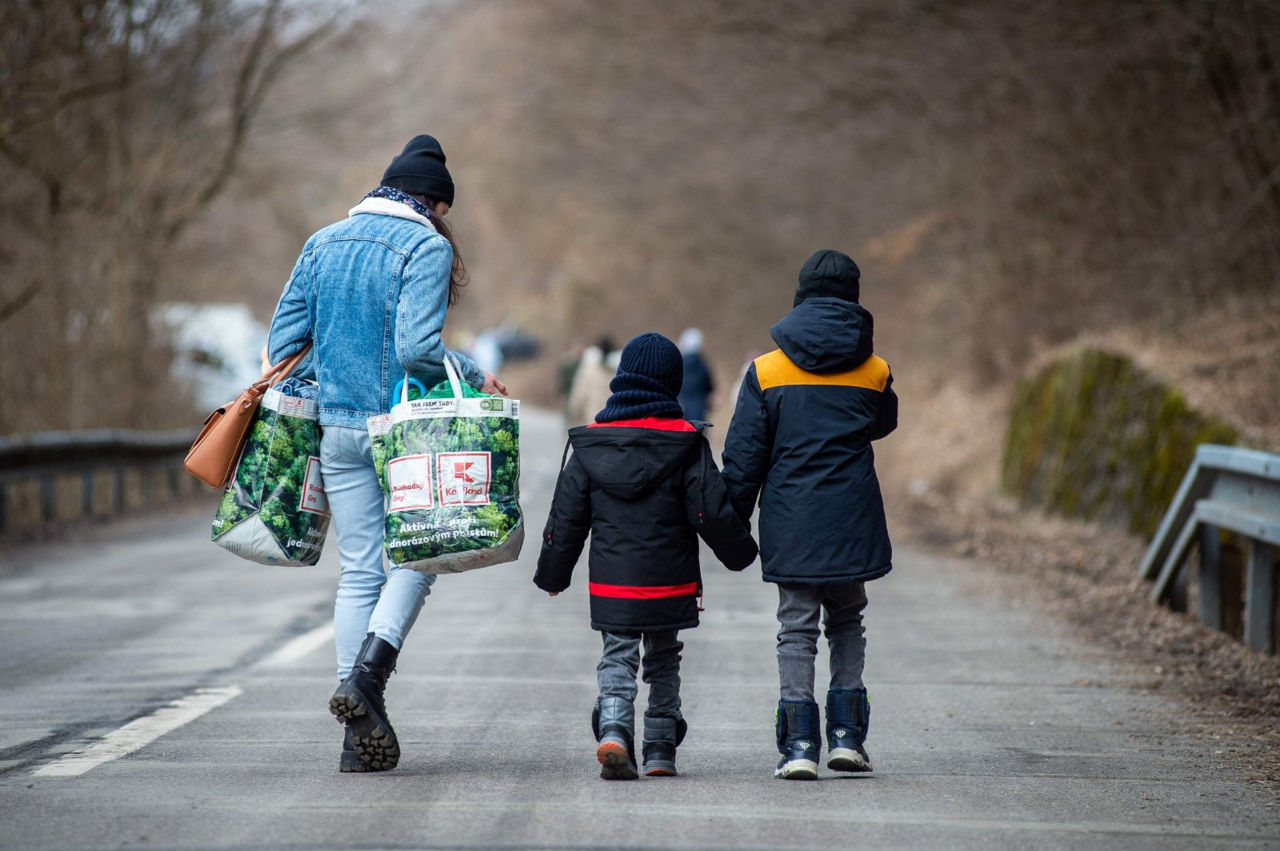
(450, 370)
(451, 373)
(403, 386)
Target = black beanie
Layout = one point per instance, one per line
(828, 273)
(419, 170)
(650, 373)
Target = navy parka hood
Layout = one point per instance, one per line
(825, 335)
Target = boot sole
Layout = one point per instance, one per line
(372, 736)
(615, 762)
(659, 767)
(797, 769)
(847, 759)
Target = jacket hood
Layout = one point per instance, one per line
(825, 335)
(628, 462)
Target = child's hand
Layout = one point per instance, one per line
(552, 593)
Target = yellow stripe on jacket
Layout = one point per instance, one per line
(775, 369)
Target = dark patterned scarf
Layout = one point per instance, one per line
(393, 194)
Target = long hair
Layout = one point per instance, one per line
(458, 277)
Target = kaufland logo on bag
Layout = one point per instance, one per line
(409, 480)
(313, 498)
(463, 477)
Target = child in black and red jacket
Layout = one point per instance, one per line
(642, 481)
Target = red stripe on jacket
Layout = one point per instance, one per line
(642, 592)
(655, 423)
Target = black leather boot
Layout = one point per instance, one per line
(350, 760)
(358, 703)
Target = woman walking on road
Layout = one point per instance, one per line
(371, 291)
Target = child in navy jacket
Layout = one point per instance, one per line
(800, 440)
(642, 481)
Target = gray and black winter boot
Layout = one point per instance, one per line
(796, 725)
(358, 703)
(661, 737)
(614, 723)
(848, 717)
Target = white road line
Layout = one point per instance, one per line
(299, 647)
(140, 733)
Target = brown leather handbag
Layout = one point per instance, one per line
(216, 451)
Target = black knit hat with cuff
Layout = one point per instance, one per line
(649, 377)
(419, 170)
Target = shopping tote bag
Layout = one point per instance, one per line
(274, 510)
(449, 465)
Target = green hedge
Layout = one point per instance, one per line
(1093, 436)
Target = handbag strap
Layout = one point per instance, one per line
(280, 371)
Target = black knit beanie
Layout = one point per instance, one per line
(419, 170)
(649, 377)
(828, 273)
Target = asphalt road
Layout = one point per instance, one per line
(159, 693)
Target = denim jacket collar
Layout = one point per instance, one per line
(387, 207)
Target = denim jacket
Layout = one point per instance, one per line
(371, 290)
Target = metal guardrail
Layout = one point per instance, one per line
(1237, 491)
(53, 457)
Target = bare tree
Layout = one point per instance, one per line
(121, 121)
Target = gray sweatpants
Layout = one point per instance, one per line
(616, 673)
(840, 607)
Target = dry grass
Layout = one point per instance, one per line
(1084, 574)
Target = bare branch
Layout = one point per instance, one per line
(14, 306)
(252, 86)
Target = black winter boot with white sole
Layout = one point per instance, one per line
(796, 725)
(614, 723)
(359, 704)
(848, 717)
(661, 737)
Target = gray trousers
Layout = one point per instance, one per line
(840, 607)
(616, 673)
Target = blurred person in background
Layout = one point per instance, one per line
(371, 292)
(695, 395)
(590, 387)
(486, 350)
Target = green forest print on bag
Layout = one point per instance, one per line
(450, 467)
(275, 511)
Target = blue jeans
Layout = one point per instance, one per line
(370, 598)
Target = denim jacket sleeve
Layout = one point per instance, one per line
(291, 324)
(424, 298)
